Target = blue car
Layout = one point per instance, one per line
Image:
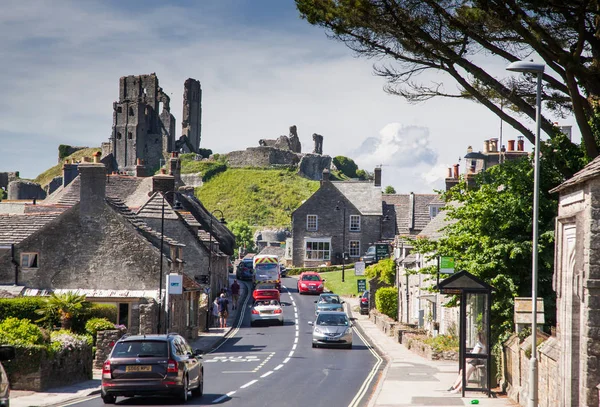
(244, 270)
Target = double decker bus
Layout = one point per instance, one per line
(266, 270)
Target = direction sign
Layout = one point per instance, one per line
(359, 268)
(361, 284)
(446, 265)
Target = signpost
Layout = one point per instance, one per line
(382, 251)
(174, 286)
(359, 268)
(361, 284)
(445, 266)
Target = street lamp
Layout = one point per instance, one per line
(337, 208)
(531, 67)
(162, 236)
(210, 251)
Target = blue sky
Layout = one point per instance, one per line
(261, 67)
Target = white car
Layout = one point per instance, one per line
(266, 310)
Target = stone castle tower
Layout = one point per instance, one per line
(143, 126)
(191, 122)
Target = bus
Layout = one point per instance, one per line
(266, 270)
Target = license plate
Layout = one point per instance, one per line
(266, 312)
(136, 368)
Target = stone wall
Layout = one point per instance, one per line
(25, 190)
(105, 340)
(7, 177)
(192, 180)
(36, 370)
(262, 157)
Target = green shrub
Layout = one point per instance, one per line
(21, 307)
(346, 165)
(106, 311)
(15, 331)
(296, 271)
(92, 326)
(63, 339)
(443, 343)
(386, 301)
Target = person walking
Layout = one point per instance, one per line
(215, 312)
(223, 310)
(235, 294)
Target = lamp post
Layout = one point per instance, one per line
(210, 251)
(337, 208)
(531, 67)
(162, 238)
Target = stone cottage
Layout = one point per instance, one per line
(340, 217)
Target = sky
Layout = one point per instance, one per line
(261, 68)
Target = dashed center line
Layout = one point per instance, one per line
(278, 367)
(231, 393)
(250, 383)
(266, 374)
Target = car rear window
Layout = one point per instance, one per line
(140, 349)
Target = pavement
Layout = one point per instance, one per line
(407, 378)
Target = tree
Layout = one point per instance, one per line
(64, 308)
(346, 166)
(491, 237)
(389, 190)
(244, 235)
(451, 36)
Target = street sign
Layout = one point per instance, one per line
(175, 283)
(359, 268)
(382, 251)
(361, 285)
(446, 265)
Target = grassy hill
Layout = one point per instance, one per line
(45, 177)
(265, 197)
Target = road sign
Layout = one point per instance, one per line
(447, 265)
(361, 284)
(175, 283)
(359, 268)
(382, 251)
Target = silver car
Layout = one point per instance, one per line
(266, 310)
(332, 328)
(328, 302)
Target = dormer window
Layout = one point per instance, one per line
(29, 260)
(434, 210)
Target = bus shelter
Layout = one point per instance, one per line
(475, 331)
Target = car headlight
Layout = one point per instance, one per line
(347, 331)
(303, 285)
(317, 330)
(320, 285)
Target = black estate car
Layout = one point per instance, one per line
(152, 365)
(364, 303)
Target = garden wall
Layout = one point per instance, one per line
(105, 341)
(34, 369)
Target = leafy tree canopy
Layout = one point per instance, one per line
(491, 236)
(244, 235)
(389, 190)
(410, 37)
(346, 165)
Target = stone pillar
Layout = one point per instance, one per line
(318, 139)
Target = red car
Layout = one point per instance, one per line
(266, 292)
(310, 282)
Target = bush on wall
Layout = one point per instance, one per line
(21, 307)
(386, 301)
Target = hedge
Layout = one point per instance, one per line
(20, 307)
(298, 270)
(386, 301)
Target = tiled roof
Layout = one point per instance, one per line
(592, 170)
(153, 208)
(273, 250)
(433, 230)
(15, 228)
(362, 194)
(412, 217)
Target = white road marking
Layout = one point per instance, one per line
(231, 393)
(294, 347)
(278, 367)
(286, 360)
(297, 334)
(295, 315)
(266, 374)
(365, 385)
(250, 383)
(291, 354)
(296, 340)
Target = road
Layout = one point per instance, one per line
(276, 365)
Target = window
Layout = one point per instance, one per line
(354, 223)
(119, 109)
(317, 250)
(311, 222)
(29, 260)
(119, 136)
(354, 248)
(130, 136)
(434, 210)
(131, 113)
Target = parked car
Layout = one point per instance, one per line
(267, 311)
(370, 256)
(328, 302)
(332, 328)
(310, 282)
(364, 303)
(245, 270)
(148, 365)
(266, 291)
(6, 353)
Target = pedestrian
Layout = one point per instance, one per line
(472, 364)
(215, 312)
(223, 310)
(235, 293)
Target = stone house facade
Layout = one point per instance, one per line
(318, 233)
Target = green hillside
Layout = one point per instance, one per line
(45, 177)
(265, 197)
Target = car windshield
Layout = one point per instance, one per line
(267, 271)
(311, 277)
(140, 349)
(329, 299)
(332, 320)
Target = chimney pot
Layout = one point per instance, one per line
(163, 171)
(511, 145)
(449, 172)
(138, 161)
(520, 145)
(455, 171)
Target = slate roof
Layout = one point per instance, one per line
(153, 208)
(273, 250)
(592, 170)
(362, 194)
(14, 228)
(134, 191)
(412, 218)
(433, 230)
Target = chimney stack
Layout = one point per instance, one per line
(92, 190)
(378, 177)
(511, 145)
(69, 172)
(493, 145)
(175, 167)
(163, 183)
(520, 144)
(325, 176)
(140, 168)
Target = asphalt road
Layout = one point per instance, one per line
(276, 365)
